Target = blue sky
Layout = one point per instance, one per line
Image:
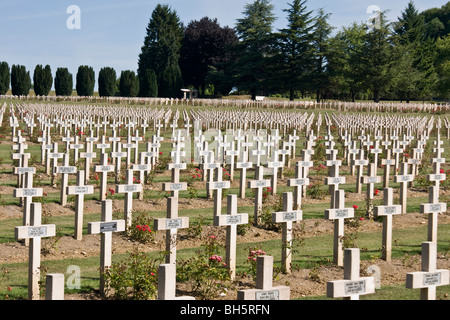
(112, 31)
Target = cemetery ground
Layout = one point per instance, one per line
(312, 249)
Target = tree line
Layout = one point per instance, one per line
(108, 84)
(406, 59)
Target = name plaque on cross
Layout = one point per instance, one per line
(436, 177)
(29, 232)
(28, 192)
(88, 155)
(290, 216)
(80, 189)
(268, 295)
(330, 163)
(102, 168)
(169, 186)
(244, 165)
(334, 180)
(104, 227)
(259, 183)
(298, 182)
(129, 188)
(384, 210)
(355, 287)
(220, 184)
(388, 162)
(433, 207)
(174, 223)
(420, 279)
(181, 166)
(168, 224)
(108, 226)
(404, 178)
(432, 279)
(139, 167)
(331, 214)
(228, 219)
(23, 170)
(236, 219)
(34, 232)
(66, 170)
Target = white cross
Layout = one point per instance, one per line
(353, 285)
(359, 171)
(258, 183)
(218, 186)
(338, 214)
(286, 218)
(128, 188)
(105, 227)
(433, 209)
(264, 289)
(243, 165)
(299, 181)
(167, 283)
(65, 170)
(387, 163)
(171, 224)
(231, 220)
(34, 232)
(430, 277)
(387, 211)
(403, 179)
(103, 168)
(80, 189)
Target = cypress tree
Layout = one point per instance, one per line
(148, 85)
(42, 80)
(85, 81)
(107, 82)
(128, 84)
(63, 82)
(4, 77)
(20, 80)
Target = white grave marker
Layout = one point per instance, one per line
(353, 285)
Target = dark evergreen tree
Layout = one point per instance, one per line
(4, 77)
(256, 42)
(295, 48)
(42, 80)
(161, 51)
(20, 80)
(85, 81)
(63, 82)
(148, 85)
(442, 85)
(377, 58)
(322, 31)
(128, 84)
(410, 27)
(107, 82)
(344, 63)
